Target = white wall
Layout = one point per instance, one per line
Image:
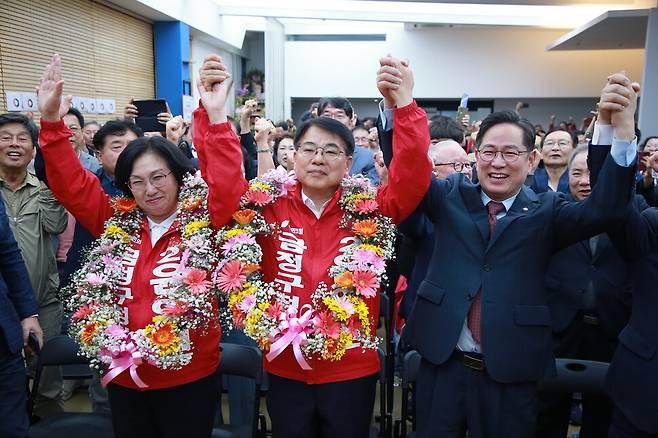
(199, 48)
(486, 62)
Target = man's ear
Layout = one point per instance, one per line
(353, 121)
(348, 165)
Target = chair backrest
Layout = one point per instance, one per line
(57, 351)
(410, 365)
(241, 360)
(575, 375)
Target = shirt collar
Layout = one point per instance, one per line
(311, 205)
(507, 202)
(165, 224)
(30, 179)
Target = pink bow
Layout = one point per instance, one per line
(293, 330)
(129, 358)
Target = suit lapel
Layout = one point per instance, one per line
(525, 203)
(476, 209)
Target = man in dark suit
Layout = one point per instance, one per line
(632, 380)
(589, 296)
(481, 321)
(18, 318)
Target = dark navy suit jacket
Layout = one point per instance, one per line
(540, 182)
(17, 300)
(509, 268)
(570, 272)
(363, 163)
(633, 375)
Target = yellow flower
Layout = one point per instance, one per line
(115, 231)
(264, 306)
(343, 341)
(163, 336)
(361, 309)
(232, 233)
(195, 226)
(251, 324)
(339, 311)
(377, 250)
(260, 186)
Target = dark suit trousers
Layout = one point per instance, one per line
(452, 398)
(622, 427)
(328, 410)
(13, 395)
(578, 341)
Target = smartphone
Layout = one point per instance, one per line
(147, 114)
(33, 345)
(641, 156)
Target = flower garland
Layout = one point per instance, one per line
(97, 322)
(338, 316)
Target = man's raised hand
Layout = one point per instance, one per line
(395, 81)
(618, 104)
(49, 92)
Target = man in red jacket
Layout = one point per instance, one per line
(332, 398)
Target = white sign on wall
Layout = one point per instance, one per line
(25, 101)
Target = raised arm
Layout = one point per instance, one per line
(78, 190)
(220, 156)
(410, 169)
(605, 209)
(265, 159)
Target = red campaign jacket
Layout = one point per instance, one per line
(80, 192)
(309, 243)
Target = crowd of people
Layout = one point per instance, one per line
(514, 244)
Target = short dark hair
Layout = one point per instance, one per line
(572, 136)
(329, 125)
(338, 103)
(78, 115)
(646, 140)
(178, 163)
(277, 140)
(20, 119)
(445, 127)
(115, 127)
(511, 117)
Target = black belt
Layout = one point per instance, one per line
(471, 360)
(589, 318)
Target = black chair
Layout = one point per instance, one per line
(575, 375)
(410, 365)
(63, 351)
(243, 361)
(383, 418)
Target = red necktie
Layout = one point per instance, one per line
(475, 314)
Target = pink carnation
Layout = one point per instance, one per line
(95, 280)
(365, 206)
(242, 238)
(196, 279)
(247, 303)
(231, 277)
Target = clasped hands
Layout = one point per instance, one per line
(618, 104)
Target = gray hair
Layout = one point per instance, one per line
(580, 149)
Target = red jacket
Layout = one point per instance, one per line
(301, 254)
(80, 192)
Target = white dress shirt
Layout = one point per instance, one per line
(311, 205)
(157, 230)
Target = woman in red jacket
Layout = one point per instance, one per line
(143, 298)
(313, 312)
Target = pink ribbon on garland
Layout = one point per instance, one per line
(128, 358)
(293, 330)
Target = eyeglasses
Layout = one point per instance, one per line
(329, 152)
(509, 156)
(458, 166)
(562, 143)
(20, 139)
(157, 180)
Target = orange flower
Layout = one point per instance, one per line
(88, 333)
(366, 228)
(191, 204)
(124, 205)
(344, 280)
(245, 216)
(250, 267)
(163, 336)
